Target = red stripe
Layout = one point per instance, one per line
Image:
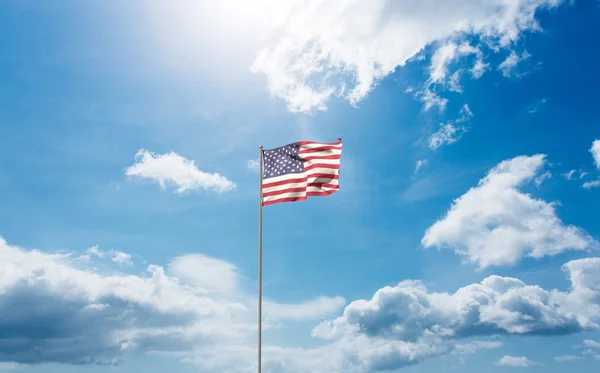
(296, 190)
(313, 142)
(299, 180)
(325, 193)
(319, 149)
(337, 156)
(294, 199)
(320, 165)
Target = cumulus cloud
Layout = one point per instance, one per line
(173, 169)
(595, 150)
(56, 310)
(404, 324)
(514, 361)
(320, 49)
(122, 258)
(591, 343)
(495, 223)
(198, 310)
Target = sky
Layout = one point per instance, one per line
(464, 236)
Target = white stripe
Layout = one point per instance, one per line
(321, 161)
(322, 153)
(320, 189)
(297, 194)
(318, 170)
(319, 145)
(284, 195)
(300, 185)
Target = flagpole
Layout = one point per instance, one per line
(260, 208)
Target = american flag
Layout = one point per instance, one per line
(303, 169)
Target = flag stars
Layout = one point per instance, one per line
(282, 161)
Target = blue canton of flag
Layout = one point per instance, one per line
(282, 161)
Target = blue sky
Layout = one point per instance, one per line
(464, 236)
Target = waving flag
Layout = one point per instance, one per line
(303, 169)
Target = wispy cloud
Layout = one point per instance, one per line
(511, 62)
(566, 358)
(252, 164)
(534, 107)
(540, 179)
(451, 132)
(316, 52)
(420, 164)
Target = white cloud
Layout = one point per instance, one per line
(171, 168)
(252, 164)
(540, 179)
(479, 68)
(56, 311)
(569, 175)
(533, 108)
(122, 258)
(444, 55)
(591, 184)
(591, 343)
(511, 62)
(431, 100)
(319, 49)
(450, 133)
(595, 150)
(419, 164)
(197, 309)
(496, 224)
(116, 256)
(566, 358)
(9, 366)
(447, 134)
(407, 323)
(472, 347)
(513, 361)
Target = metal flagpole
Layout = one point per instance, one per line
(260, 208)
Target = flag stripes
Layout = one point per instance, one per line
(297, 171)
